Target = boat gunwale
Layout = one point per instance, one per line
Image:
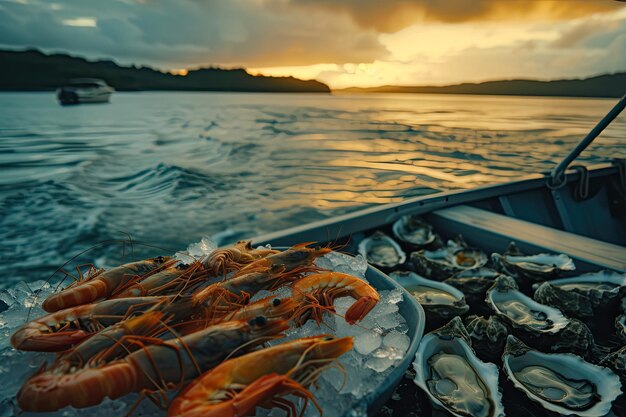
(387, 213)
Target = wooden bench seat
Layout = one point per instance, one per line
(493, 232)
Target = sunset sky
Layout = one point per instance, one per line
(340, 42)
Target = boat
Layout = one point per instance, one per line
(85, 90)
(577, 212)
(580, 212)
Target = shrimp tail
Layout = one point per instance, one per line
(360, 309)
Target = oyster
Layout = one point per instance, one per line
(440, 301)
(413, 230)
(561, 382)
(453, 378)
(521, 311)
(488, 336)
(617, 362)
(382, 251)
(442, 263)
(533, 267)
(583, 295)
(474, 283)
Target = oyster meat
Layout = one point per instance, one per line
(453, 378)
(382, 251)
(413, 230)
(440, 301)
(532, 267)
(560, 382)
(440, 264)
(521, 311)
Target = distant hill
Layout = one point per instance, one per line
(610, 85)
(33, 70)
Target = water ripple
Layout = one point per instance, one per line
(168, 168)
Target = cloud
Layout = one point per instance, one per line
(392, 15)
(189, 32)
(584, 30)
(342, 42)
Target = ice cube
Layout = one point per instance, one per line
(397, 340)
(388, 321)
(384, 308)
(395, 296)
(339, 262)
(343, 304)
(367, 342)
(402, 327)
(202, 248)
(379, 364)
(388, 352)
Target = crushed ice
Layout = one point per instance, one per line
(196, 251)
(380, 341)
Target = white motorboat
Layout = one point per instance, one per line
(85, 90)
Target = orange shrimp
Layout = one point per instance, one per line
(234, 258)
(241, 287)
(269, 307)
(296, 257)
(60, 330)
(103, 284)
(261, 379)
(155, 368)
(172, 279)
(318, 291)
(112, 342)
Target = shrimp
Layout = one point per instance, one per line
(318, 291)
(269, 307)
(261, 379)
(234, 258)
(154, 368)
(103, 284)
(60, 330)
(113, 342)
(296, 257)
(172, 279)
(240, 288)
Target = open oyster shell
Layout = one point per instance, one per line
(453, 378)
(521, 311)
(561, 382)
(532, 267)
(413, 230)
(440, 264)
(440, 301)
(382, 251)
(474, 283)
(581, 296)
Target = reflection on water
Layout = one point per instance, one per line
(170, 167)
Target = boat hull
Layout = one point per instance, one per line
(69, 96)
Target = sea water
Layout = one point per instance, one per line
(165, 169)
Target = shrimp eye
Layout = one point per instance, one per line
(259, 321)
(329, 338)
(276, 302)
